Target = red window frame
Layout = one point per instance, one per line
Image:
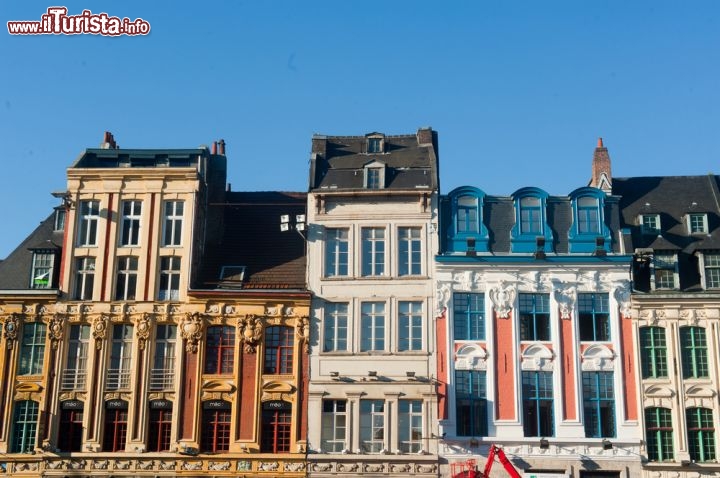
(159, 430)
(276, 426)
(215, 431)
(278, 350)
(220, 353)
(116, 421)
(71, 428)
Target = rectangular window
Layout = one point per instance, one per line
(694, 352)
(71, 428)
(534, 316)
(335, 324)
(172, 230)
(25, 419)
(373, 251)
(467, 214)
(471, 403)
(74, 374)
(131, 215)
(588, 218)
(410, 325)
(220, 353)
(712, 270)
(469, 316)
(42, 270)
(659, 434)
(697, 223)
(89, 216)
(410, 426)
(84, 278)
(334, 426)
(701, 434)
(653, 352)
(372, 426)
(664, 265)
(372, 327)
(115, 434)
(32, 348)
(159, 429)
(594, 315)
(599, 403)
(60, 215)
(279, 350)
(215, 431)
(374, 145)
(409, 251)
(373, 178)
(537, 395)
(169, 278)
(530, 216)
(336, 252)
(650, 224)
(118, 375)
(276, 426)
(126, 278)
(163, 370)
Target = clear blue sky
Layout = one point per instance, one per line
(518, 91)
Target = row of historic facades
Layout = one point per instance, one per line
(159, 324)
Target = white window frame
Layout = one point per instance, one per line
(334, 426)
(43, 267)
(84, 275)
(373, 252)
(697, 215)
(162, 373)
(410, 426)
(334, 331)
(74, 374)
(408, 326)
(337, 252)
(170, 273)
(646, 228)
(173, 223)
(373, 326)
(710, 260)
(372, 425)
(130, 225)
(88, 221)
(377, 167)
(124, 276)
(120, 360)
(664, 257)
(411, 238)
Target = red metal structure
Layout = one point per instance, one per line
(468, 469)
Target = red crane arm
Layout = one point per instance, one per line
(496, 450)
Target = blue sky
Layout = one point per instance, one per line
(518, 91)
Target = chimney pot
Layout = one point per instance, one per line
(221, 147)
(214, 148)
(600, 143)
(108, 141)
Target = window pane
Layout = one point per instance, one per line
(372, 326)
(469, 316)
(410, 326)
(336, 252)
(335, 327)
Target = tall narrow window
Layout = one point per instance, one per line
(172, 230)
(336, 252)
(664, 265)
(118, 374)
(468, 316)
(42, 270)
(373, 251)
(410, 426)
(216, 428)
(530, 215)
(84, 278)
(278, 350)
(334, 426)
(587, 213)
(534, 316)
(372, 327)
(599, 403)
(32, 348)
(220, 353)
(60, 216)
(126, 283)
(701, 434)
(467, 215)
(410, 326)
(538, 418)
(89, 215)
(169, 278)
(25, 419)
(372, 426)
(276, 426)
(74, 374)
(711, 261)
(694, 352)
(471, 403)
(653, 352)
(159, 429)
(71, 428)
(594, 315)
(131, 215)
(116, 421)
(659, 434)
(373, 178)
(335, 323)
(163, 370)
(409, 251)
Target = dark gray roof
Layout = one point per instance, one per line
(411, 161)
(139, 158)
(15, 270)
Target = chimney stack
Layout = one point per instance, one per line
(601, 169)
(221, 147)
(213, 150)
(425, 136)
(108, 141)
(319, 144)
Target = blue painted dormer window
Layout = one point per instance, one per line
(531, 232)
(588, 233)
(467, 233)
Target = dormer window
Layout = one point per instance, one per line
(375, 143)
(467, 214)
(587, 215)
(650, 224)
(374, 175)
(697, 223)
(531, 232)
(589, 233)
(232, 276)
(41, 276)
(466, 233)
(530, 216)
(60, 215)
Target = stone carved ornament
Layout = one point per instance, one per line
(99, 330)
(10, 329)
(55, 329)
(442, 294)
(566, 298)
(622, 295)
(191, 331)
(303, 332)
(251, 331)
(503, 297)
(143, 330)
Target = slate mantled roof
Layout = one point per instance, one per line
(411, 161)
(139, 158)
(673, 198)
(15, 270)
(251, 237)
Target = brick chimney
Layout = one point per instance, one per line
(425, 136)
(221, 147)
(601, 169)
(319, 144)
(108, 141)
